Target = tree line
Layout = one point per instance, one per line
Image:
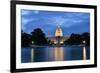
(38, 37)
(77, 39)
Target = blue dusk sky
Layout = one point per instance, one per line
(70, 22)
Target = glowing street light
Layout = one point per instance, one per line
(32, 42)
(84, 41)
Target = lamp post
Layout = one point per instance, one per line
(84, 42)
(84, 50)
(32, 42)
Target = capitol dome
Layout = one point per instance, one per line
(59, 32)
(58, 38)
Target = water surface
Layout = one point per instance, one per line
(45, 54)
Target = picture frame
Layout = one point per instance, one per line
(20, 64)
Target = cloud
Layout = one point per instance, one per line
(48, 20)
(64, 21)
(25, 12)
(26, 21)
(36, 11)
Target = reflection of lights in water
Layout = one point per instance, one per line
(84, 53)
(58, 54)
(32, 55)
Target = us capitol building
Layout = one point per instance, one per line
(58, 39)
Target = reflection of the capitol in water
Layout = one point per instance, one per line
(58, 54)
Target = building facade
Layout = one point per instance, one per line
(59, 38)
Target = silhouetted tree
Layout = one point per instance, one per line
(86, 36)
(76, 39)
(38, 37)
(25, 39)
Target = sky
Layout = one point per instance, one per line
(70, 22)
